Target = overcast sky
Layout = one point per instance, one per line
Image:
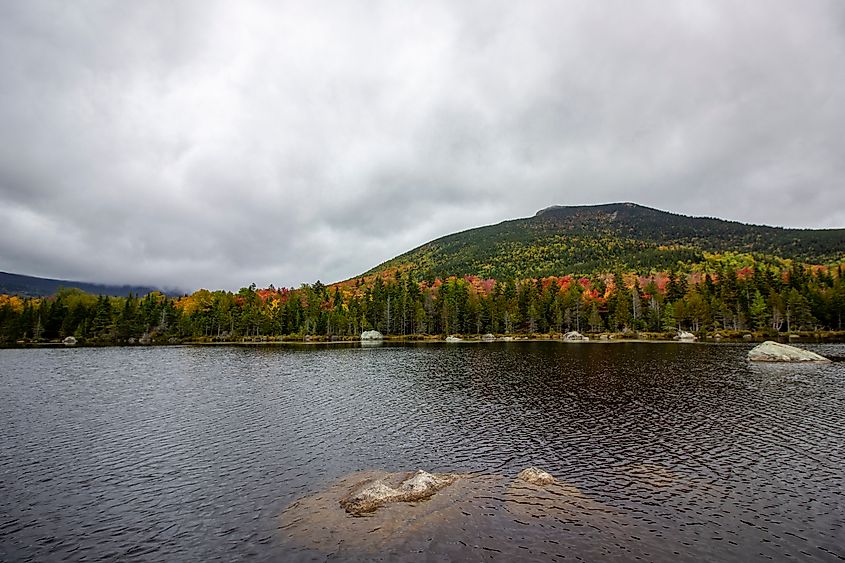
(216, 144)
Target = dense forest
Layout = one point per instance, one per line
(764, 298)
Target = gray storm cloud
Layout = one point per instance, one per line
(192, 144)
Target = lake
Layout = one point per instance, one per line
(671, 451)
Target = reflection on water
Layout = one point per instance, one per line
(664, 452)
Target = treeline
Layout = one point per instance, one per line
(398, 303)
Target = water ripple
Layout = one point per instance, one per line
(677, 452)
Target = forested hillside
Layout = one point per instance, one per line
(585, 240)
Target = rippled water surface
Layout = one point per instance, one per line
(676, 451)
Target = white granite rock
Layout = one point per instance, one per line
(770, 351)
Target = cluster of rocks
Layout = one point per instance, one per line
(575, 336)
(372, 494)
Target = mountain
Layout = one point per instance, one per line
(30, 286)
(588, 239)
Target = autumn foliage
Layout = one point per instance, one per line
(400, 302)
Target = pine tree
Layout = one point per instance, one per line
(759, 311)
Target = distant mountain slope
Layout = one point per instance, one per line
(30, 286)
(587, 239)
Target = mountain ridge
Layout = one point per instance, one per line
(34, 286)
(585, 239)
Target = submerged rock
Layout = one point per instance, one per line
(370, 495)
(770, 351)
(535, 476)
(371, 335)
(574, 336)
(475, 505)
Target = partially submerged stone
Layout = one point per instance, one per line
(488, 337)
(372, 494)
(69, 341)
(770, 351)
(454, 339)
(685, 336)
(535, 476)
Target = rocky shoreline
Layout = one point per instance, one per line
(833, 337)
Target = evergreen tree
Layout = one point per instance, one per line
(759, 311)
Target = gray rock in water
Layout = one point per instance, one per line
(454, 339)
(770, 351)
(69, 341)
(535, 476)
(371, 335)
(371, 495)
(574, 336)
(488, 337)
(685, 336)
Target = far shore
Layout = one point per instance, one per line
(722, 337)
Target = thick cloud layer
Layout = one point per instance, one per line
(216, 144)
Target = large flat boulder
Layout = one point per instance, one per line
(770, 351)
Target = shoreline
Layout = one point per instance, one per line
(826, 337)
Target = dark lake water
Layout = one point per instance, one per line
(678, 451)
